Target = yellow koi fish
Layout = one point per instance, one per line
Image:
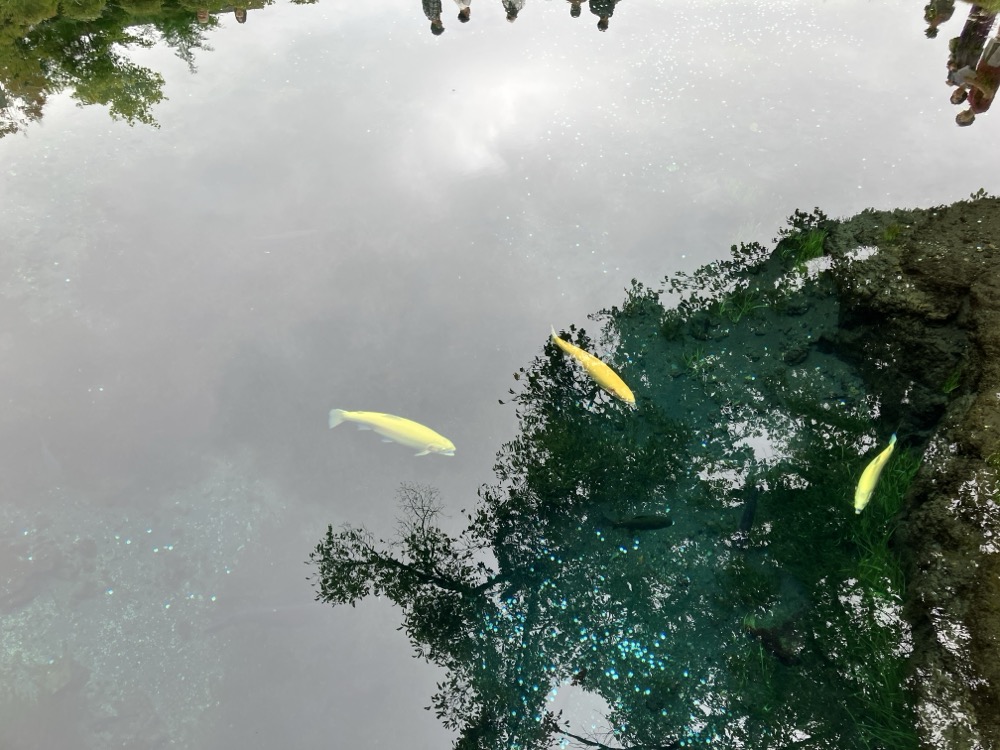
(869, 477)
(603, 375)
(399, 430)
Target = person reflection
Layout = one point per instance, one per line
(239, 11)
(603, 9)
(464, 11)
(513, 7)
(936, 12)
(574, 8)
(966, 57)
(967, 47)
(981, 86)
(432, 9)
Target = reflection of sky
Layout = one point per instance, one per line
(341, 210)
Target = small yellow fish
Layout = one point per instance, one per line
(403, 431)
(603, 375)
(869, 477)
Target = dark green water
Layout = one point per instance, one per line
(767, 615)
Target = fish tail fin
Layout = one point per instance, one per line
(554, 334)
(892, 440)
(336, 417)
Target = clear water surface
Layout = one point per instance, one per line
(330, 206)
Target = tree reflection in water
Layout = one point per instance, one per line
(81, 47)
(766, 615)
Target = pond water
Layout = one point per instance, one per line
(330, 206)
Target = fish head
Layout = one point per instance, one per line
(623, 393)
(443, 449)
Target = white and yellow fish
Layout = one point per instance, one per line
(603, 375)
(869, 477)
(403, 431)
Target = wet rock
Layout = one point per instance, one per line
(796, 355)
(921, 318)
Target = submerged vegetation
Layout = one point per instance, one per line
(876, 654)
(741, 302)
(953, 379)
(802, 247)
(759, 611)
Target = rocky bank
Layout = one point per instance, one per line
(921, 319)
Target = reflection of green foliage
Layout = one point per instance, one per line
(844, 421)
(892, 232)
(47, 46)
(802, 222)
(672, 325)
(83, 10)
(697, 290)
(767, 606)
(128, 90)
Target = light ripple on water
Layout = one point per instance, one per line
(109, 606)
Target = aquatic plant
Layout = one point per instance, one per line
(696, 361)
(879, 656)
(798, 249)
(804, 240)
(953, 379)
(876, 525)
(739, 303)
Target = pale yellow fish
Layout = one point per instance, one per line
(403, 431)
(869, 477)
(603, 375)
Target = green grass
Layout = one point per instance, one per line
(695, 361)
(803, 247)
(951, 383)
(882, 709)
(740, 303)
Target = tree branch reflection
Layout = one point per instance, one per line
(693, 567)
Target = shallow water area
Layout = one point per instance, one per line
(218, 223)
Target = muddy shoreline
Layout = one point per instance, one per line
(921, 320)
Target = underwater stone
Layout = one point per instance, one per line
(927, 306)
